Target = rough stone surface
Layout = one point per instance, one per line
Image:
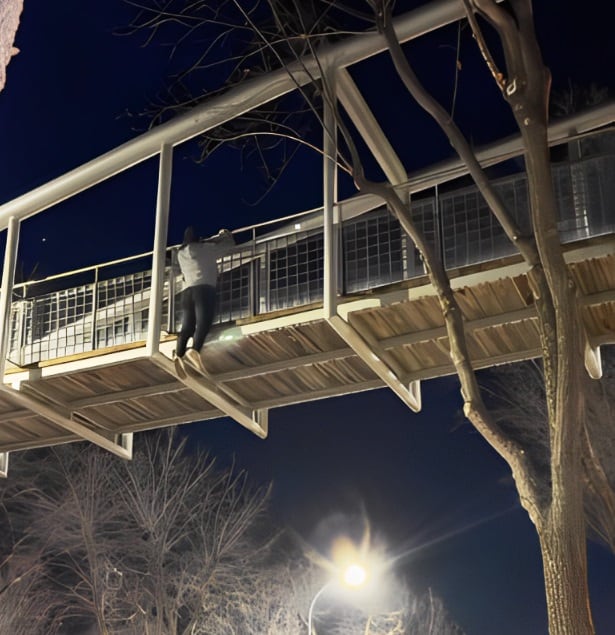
(10, 10)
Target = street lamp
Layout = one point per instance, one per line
(353, 576)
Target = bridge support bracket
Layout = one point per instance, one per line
(4, 464)
(261, 419)
(125, 441)
(58, 413)
(593, 361)
(379, 361)
(253, 420)
(414, 389)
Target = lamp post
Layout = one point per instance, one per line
(353, 576)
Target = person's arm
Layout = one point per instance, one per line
(224, 235)
(222, 242)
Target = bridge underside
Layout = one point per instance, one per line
(296, 356)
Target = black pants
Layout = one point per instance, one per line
(198, 307)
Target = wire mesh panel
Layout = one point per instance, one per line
(122, 309)
(470, 231)
(597, 145)
(372, 251)
(59, 324)
(294, 275)
(236, 282)
(16, 331)
(570, 192)
(600, 193)
(585, 193)
(423, 212)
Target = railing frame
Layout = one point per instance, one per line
(257, 284)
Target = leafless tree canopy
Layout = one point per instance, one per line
(517, 397)
(138, 547)
(217, 45)
(163, 545)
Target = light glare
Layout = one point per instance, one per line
(355, 575)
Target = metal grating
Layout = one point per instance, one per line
(294, 272)
(236, 286)
(372, 247)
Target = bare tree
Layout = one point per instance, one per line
(528, 419)
(551, 487)
(166, 545)
(404, 613)
(25, 606)
(146, 547)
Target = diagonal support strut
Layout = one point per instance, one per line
(255, 421)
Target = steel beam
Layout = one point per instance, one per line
(406, 339)
(323, 393)
(367, 125)
(4, 464)
(491, 154)
(284, 364)
(160, 247)
(122, 395)
(593, 360)
(369, 128)
(379, 362)
(368, 350)
(61, 417)
(249, 418)
(6, 293)
(330, 213)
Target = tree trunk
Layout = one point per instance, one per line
(562, 533)
(565, 573)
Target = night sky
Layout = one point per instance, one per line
(429, 484)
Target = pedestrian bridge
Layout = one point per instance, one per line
(89, 352)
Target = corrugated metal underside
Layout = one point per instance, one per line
(305, 361)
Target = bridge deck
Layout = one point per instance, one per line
(297, 355)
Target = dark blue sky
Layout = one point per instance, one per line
(420, 477)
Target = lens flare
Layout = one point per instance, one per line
(355, 575)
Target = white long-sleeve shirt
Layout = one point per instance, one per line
(197, 261)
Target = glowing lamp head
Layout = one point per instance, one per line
(354, 575)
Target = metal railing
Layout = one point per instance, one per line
(285, 269)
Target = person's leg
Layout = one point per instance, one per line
(205, 307)
(188, 321)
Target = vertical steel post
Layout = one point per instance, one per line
(172, 290)
(160, 246)
(330, 213)
(438, 225)
(4, 464)
(23, 334)
(253, 286)
(6, 293)
(94, 308)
